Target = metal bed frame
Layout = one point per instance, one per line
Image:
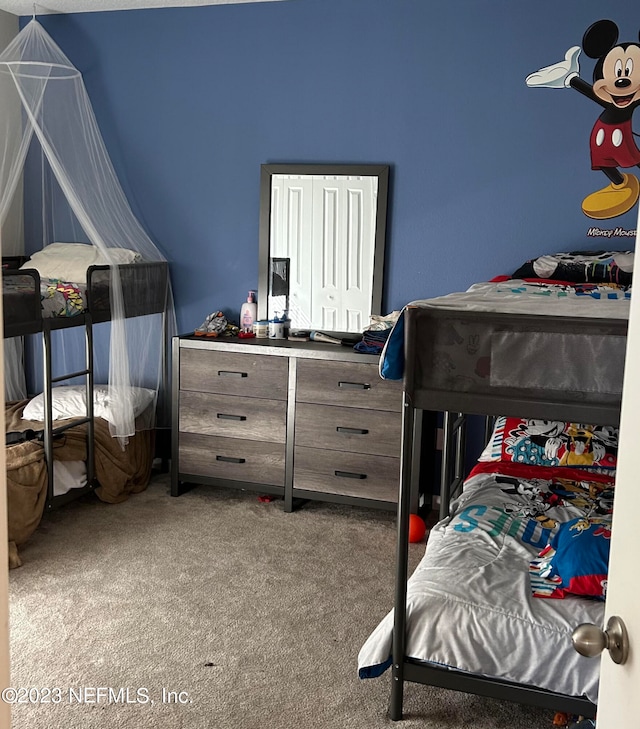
(554, 404)
(28, 319)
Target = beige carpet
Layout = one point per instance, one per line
(255, 615)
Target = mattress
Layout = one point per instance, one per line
(519, 296)
(471, 603)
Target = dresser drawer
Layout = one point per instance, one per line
(349, 384)
(348, 429)
(233, 417)
(346, 474)
(229, 373)
(231, 458)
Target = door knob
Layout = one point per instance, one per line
(590, 640)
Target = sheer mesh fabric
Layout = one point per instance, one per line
(47, 122)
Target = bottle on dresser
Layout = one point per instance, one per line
(248, 313)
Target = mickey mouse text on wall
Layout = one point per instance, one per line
(616, 88)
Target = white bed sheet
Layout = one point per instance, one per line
(68, 475)
(469, 601)
(516, 296)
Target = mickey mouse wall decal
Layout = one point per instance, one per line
(616, 88)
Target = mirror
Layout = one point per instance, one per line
(322, 239)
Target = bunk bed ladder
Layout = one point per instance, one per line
(49, 325)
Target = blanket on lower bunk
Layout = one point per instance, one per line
(119, 472)
(478, 600)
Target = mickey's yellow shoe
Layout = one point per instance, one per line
(612, 200)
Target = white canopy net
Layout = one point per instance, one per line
(48, 130)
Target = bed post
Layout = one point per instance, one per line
(91, 439)
(47, 402)
(404, 510)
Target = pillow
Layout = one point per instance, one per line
(69, 261)
(552, 443)
(68, 401)
(614, 267)
(576, 562)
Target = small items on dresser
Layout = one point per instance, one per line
(248, 313)
(215, 325)
(276, 329)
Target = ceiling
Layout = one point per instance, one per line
(26, 7)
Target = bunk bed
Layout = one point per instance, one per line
(67, 424)
(468, 618)
(58, 183)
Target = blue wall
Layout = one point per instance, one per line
(486, 172)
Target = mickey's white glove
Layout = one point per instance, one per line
(551, 448)
(558, 75)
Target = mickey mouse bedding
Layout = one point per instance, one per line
(519, 563)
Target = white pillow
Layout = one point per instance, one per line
(69, 261)
(68, 401)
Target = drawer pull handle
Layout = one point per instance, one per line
(224, 416)
(352, 431)
(230, 373)
(349, 474)
(354, 385)
(229, 459)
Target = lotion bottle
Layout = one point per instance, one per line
(248, 312)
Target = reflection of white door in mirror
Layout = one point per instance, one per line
(323, 240)
(290, 250)
(324, 225)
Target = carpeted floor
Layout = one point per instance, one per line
(215, 611)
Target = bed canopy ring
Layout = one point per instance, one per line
(71, 72)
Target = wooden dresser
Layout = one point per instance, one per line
(301, 420)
